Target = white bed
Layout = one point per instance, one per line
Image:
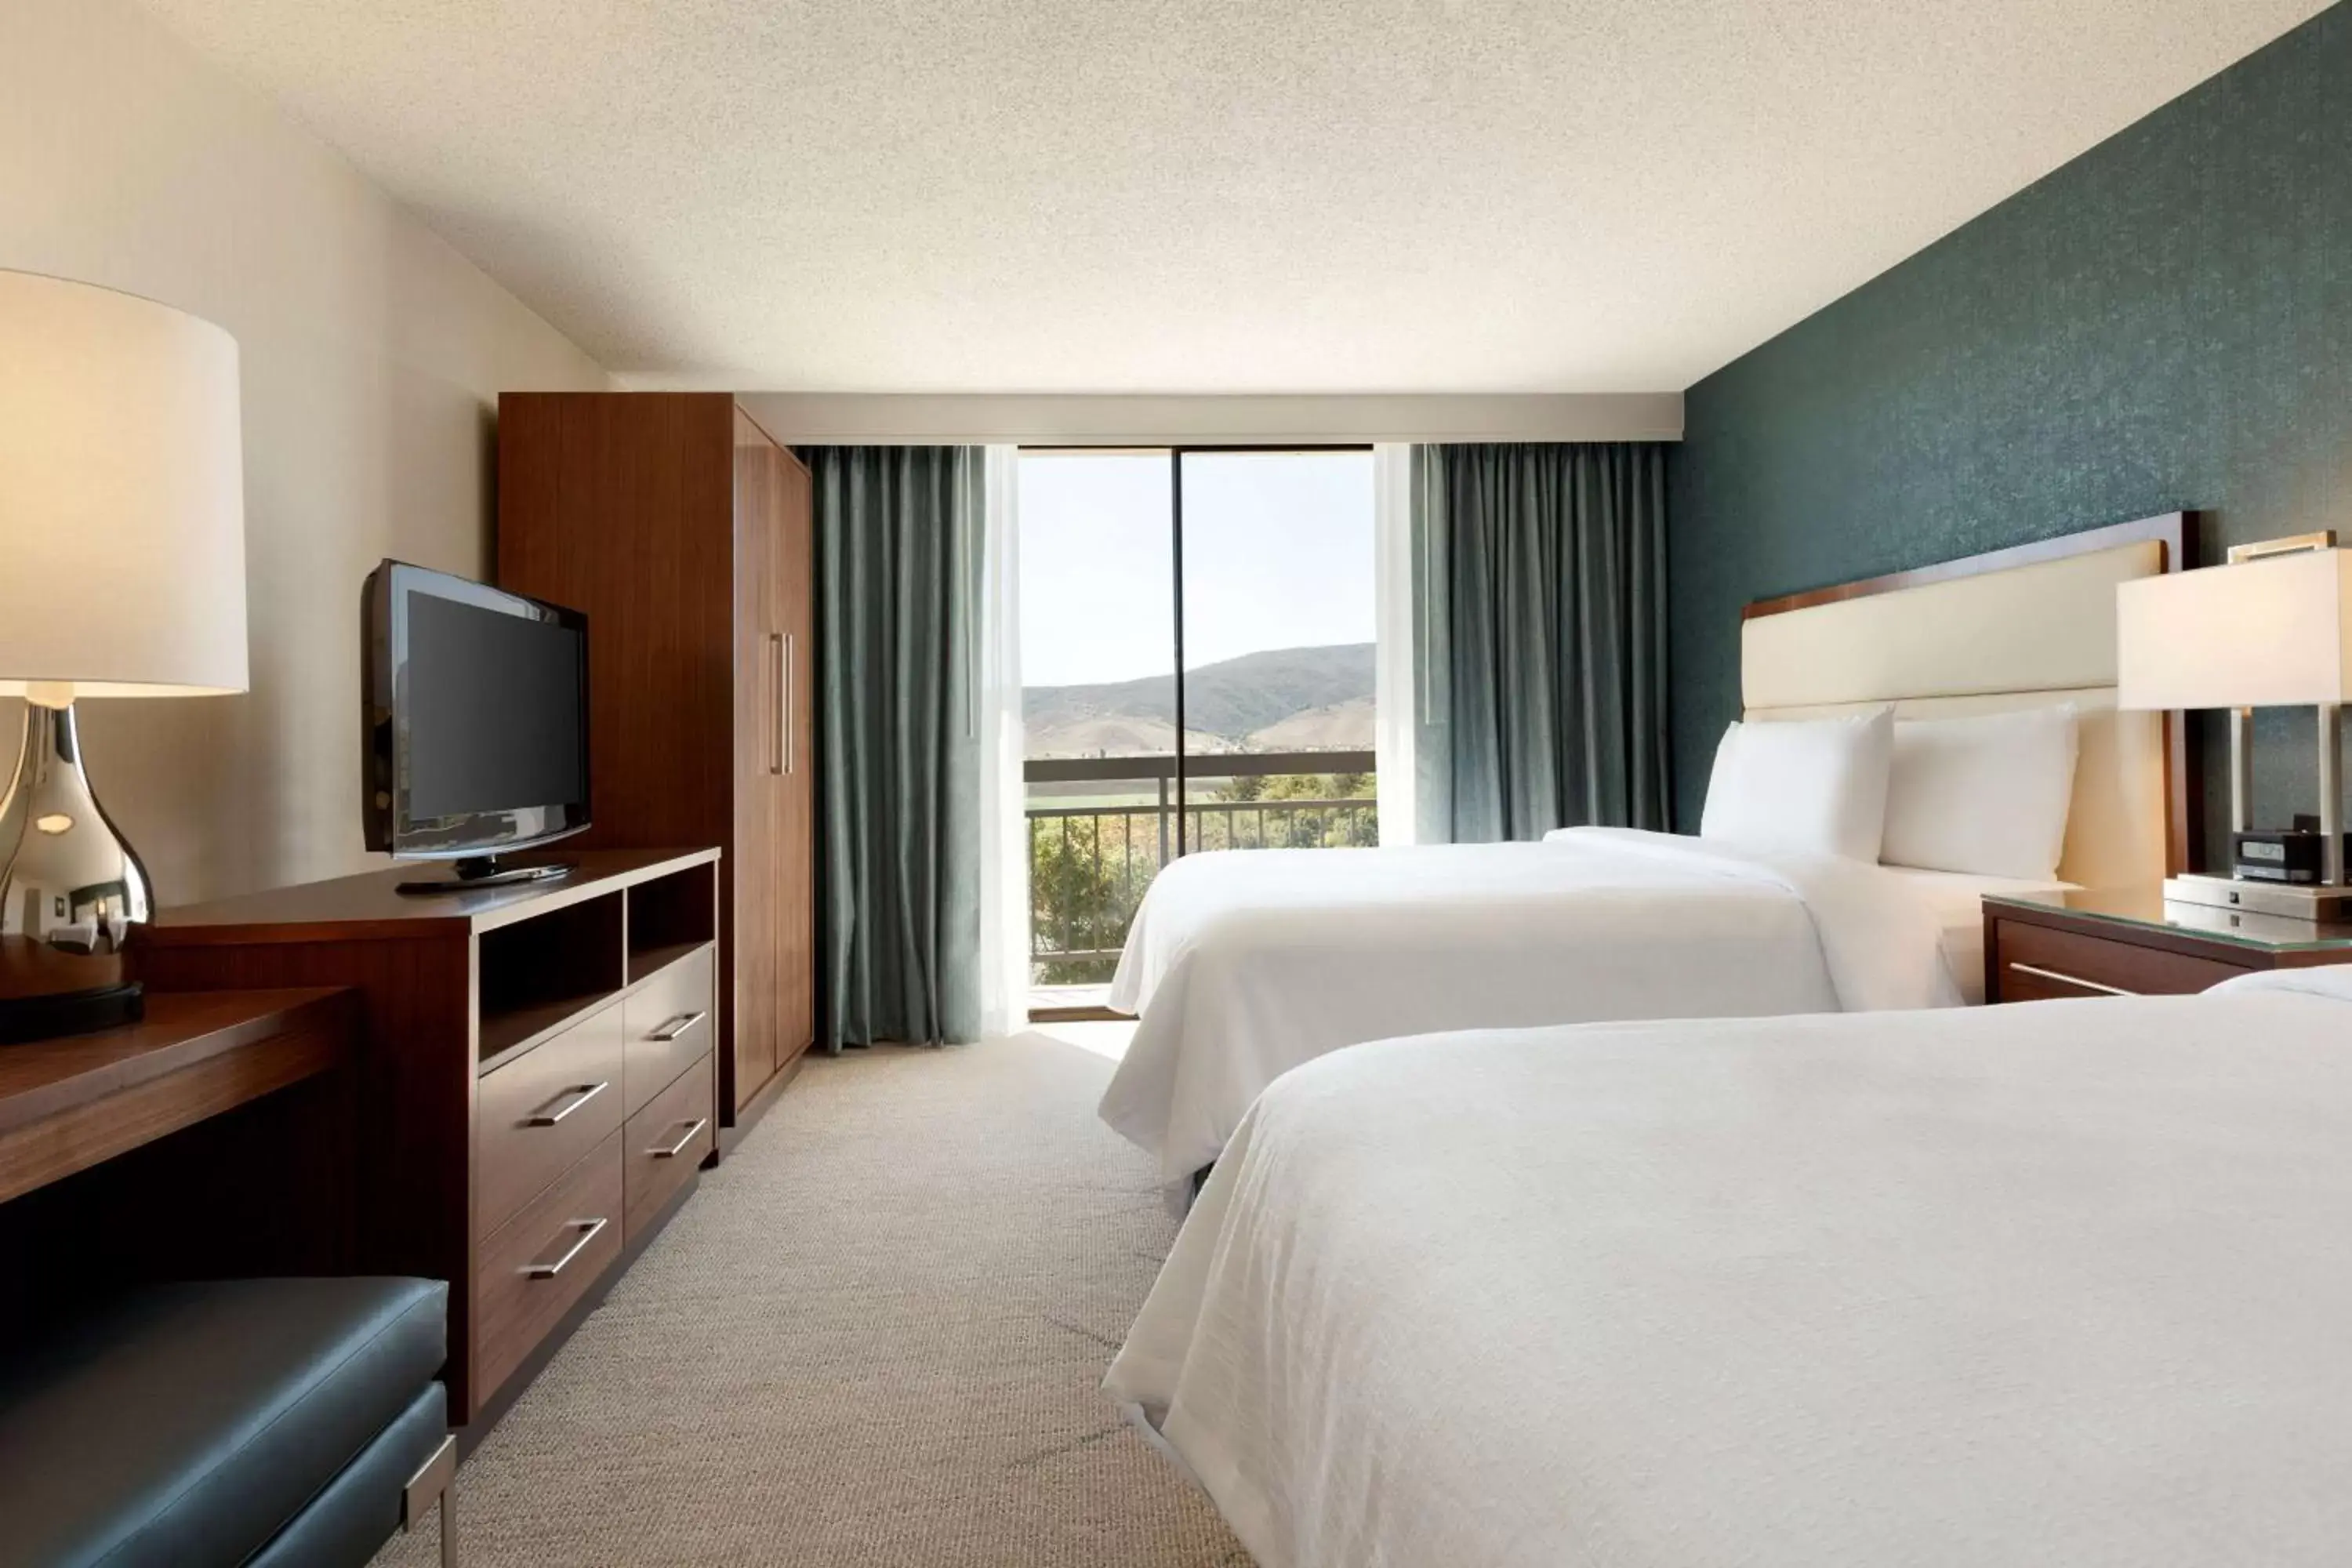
(1240, 966)
(1257, 961)
(2064, 1282)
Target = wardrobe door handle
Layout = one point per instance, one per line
(790, 707)
(776, 664)
(693, 1131)
(587, 1229)
(584, 1092)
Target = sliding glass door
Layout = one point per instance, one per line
(1197, 655)
(1099, 703)
(1275, 576)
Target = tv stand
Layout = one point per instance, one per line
(531, 1074)
(484, 871)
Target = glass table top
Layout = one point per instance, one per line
(2149, 907)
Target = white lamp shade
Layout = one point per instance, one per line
(2268, 633)
(122, 495)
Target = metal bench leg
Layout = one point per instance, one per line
(434, 1481)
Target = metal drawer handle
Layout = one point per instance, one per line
(587, 1229)
(679, 1025)
(693, 1131)
(582, 1093)
(2076, 980)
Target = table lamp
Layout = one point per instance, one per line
(122, 574)
(2270, 629)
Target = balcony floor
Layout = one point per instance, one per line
(1069, 999)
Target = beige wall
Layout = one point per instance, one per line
(372, 357)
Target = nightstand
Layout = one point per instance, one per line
(2136, 943)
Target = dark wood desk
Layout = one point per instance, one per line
(212, 1140)
(67, 1104)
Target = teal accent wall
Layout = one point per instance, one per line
(2163, 324)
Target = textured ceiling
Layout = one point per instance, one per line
(1206, 195)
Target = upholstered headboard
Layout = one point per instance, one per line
(2015, 628)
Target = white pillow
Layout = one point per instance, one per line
(1814, 785)
(1987, 794)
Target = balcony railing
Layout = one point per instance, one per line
(1090, 863)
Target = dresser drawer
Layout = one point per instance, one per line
(2039, 963)
(665, 1143)
(533, 1268)
(539, 1113)
(670, 1023)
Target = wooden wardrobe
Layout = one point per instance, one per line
(683, 532)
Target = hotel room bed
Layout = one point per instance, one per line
(1242, 964)
(1246, 963)
(2060, 1282)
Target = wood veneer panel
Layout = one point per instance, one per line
(663, 1144)
(264, 1188)
(2081, 957)
(614, 512)
(516, 1310)
(644, 963)
(625, 507)
(683, 990)
(669, 917)
(795, 860)
(32, 1156)
(2177, 531)
(683, 532)
(370, 905)
(515, 1156)
(67, 1105)
(415, 1084)
(415, 1081)
(41, 1079)
(746, 1055)
(538, 976)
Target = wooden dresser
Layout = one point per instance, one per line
(534, 1075)
(685, 534)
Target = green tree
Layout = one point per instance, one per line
(1087, 873)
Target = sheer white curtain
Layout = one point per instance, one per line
(1392, 667)
(1003, 829)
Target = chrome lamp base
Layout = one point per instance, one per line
(2330, 899)
(71, 890)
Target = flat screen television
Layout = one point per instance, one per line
(477, 721)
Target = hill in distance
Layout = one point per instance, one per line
(1297, 698)
(1341, 727)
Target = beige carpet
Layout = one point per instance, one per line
(874, 1337)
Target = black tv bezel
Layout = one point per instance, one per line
(467, 835)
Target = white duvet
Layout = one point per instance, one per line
(1244, 964)
(2061, 1283)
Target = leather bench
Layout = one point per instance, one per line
(270, 1422)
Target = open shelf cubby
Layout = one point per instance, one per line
(669, 917)
(540, 975)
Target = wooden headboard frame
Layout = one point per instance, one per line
(2175, 531)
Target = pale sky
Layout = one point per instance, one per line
(1277, 553)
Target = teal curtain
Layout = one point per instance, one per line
(1540, 638)
(899, 586)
